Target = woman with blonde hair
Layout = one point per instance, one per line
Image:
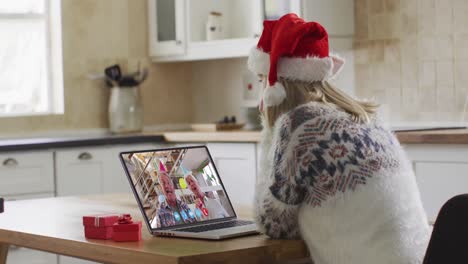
(330, 173)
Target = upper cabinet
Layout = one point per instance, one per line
(184, 30)
(167, 27)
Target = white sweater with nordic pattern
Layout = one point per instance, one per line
(346, 188)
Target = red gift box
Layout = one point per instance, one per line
(127, 230)
(99, 226)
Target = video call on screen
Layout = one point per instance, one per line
(178, 186)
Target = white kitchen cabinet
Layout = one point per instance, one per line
(27, 176)
(93, 170)
(81, 171)
(166, 33)
(26, 173)
(441, 172)
(177, 29)
(18, 255)
(237, 166)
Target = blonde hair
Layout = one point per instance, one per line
(299, 92)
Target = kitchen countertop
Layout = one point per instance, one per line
(450, 136)
(69, 142)
(456, 136)
(218, 136)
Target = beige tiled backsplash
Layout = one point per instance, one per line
(412, 56)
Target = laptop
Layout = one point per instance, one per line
(180, 193)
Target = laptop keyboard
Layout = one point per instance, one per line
(204, 228)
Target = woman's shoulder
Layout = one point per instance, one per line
(322, 120)
(309, 114)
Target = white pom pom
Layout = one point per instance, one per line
(274, 95)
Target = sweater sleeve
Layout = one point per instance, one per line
(279, 195)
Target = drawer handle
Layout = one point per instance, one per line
(85, 156)
(14, 247)
(10, 162)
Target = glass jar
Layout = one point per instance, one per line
(125, 110)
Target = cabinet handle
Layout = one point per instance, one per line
(85, 156)
(14, 247)
(10, 162)
(178, 42)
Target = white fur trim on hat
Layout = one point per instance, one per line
(308, 69)
(274, 95)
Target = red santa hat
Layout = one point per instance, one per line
(295, 50)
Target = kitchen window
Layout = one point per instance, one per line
(31, 81)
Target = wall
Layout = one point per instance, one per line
(96, 34)
(412, 56)
(217, 89)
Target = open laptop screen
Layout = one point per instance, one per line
(177, 186)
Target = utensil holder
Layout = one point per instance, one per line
(125, 110)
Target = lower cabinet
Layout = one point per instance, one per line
(26, 173)
(236, 165)
(17, 255)
(97, 170)
(441, 172)
(81, 171)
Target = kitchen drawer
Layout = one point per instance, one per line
(438, 182)
(24, 173)
(80, 171)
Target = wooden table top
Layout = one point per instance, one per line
(55, 225)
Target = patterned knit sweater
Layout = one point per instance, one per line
(345, 187)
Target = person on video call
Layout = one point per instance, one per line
(212, 205)
(172, 211)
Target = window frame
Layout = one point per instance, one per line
(53, 54)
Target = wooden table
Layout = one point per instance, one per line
(55, 225)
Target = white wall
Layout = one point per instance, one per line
(217, 89)
(337, 16)
(344, 48)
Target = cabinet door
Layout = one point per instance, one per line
(24, 173)
(19, 255)
(166, 26)
(236, 165)
(441, 172)
(80, 171)
(440, 181)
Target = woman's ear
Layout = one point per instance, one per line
(338, 63)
